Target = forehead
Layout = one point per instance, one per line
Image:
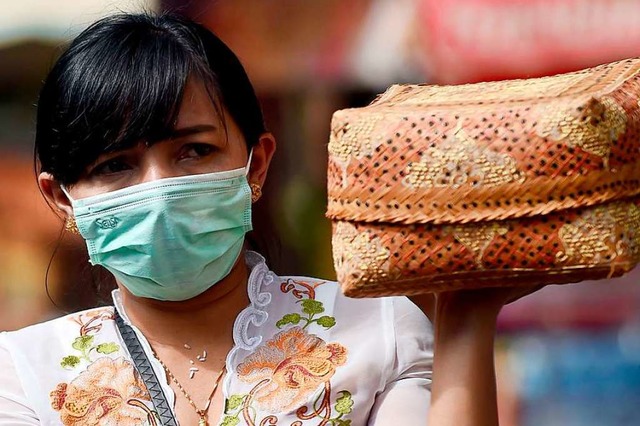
(198, 106)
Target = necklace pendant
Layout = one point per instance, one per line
(202, 421)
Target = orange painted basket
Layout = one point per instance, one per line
(522, 182)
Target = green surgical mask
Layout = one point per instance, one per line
(169, 239)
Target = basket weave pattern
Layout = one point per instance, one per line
(434, 188)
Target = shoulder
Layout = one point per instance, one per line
(37, 344)
(44, 332)
(72, 361)
(398, 312)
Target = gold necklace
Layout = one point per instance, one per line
(203, 413)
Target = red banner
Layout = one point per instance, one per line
(476, 40)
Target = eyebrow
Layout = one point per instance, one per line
(191, 130)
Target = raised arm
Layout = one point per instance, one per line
(464, 383)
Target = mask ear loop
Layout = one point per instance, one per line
(247, 168)
(66, 192)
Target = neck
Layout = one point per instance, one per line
(206, 319)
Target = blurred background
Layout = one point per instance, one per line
(567, 355)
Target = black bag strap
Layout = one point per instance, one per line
(141, 361)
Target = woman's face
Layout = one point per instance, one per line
(199, 144)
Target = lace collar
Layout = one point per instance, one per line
(245, 337)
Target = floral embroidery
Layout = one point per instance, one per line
(90, 323)
(108, 392)
(310, 306)
(289, 369)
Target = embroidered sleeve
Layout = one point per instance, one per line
(414, 341)
(406, 396)
(404, 402)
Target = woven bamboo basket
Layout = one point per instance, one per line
(522, 182)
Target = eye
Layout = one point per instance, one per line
(111, 166)
(196, 150)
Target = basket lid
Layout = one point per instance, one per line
(488, 151)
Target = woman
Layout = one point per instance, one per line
(151, 143)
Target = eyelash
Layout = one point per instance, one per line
(197, 147)
(100, 169)
(121, 163)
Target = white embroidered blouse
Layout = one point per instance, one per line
(304, 355)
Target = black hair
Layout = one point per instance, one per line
(121, 82)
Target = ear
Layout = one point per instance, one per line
(261, 159)
(54, 195)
